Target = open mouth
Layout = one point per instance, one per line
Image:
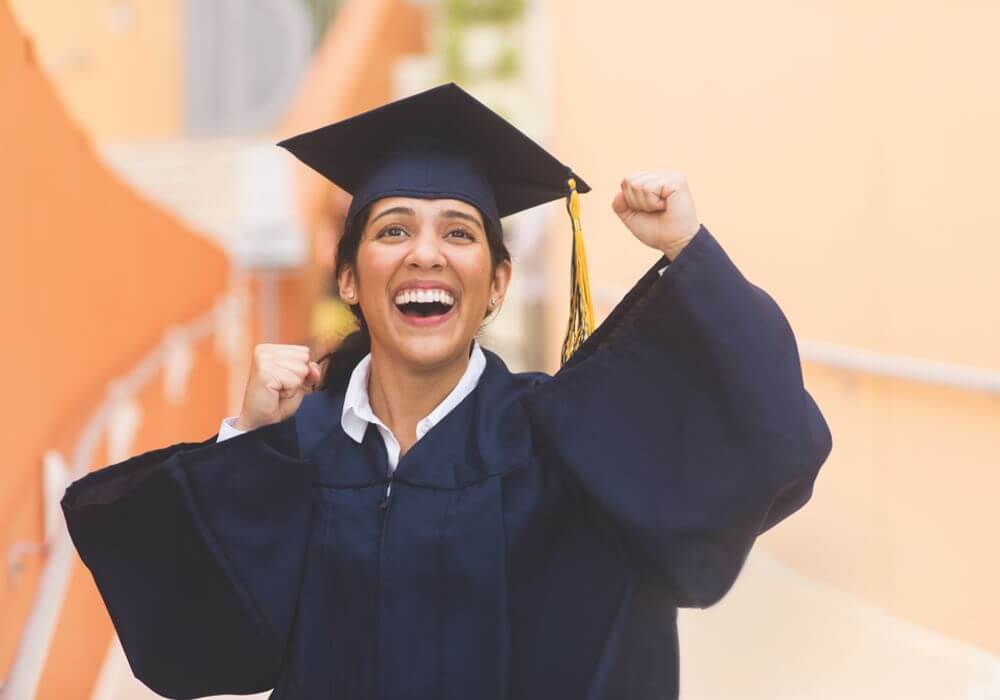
(424, 305)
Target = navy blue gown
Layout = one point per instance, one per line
(536, 544)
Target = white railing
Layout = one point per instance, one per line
(903, 367)
(117, 419)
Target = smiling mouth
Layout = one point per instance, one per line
(424, 306)
(417, 309)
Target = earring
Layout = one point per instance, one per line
(493, 301)
(350, 294)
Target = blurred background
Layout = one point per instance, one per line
(844, 154)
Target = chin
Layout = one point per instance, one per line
(432, 351)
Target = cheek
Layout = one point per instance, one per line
(375, 267)
(374, 270)
(474, 268)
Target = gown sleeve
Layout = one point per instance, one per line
(197, 550)
(684, 419)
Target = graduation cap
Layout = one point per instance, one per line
(445, 144)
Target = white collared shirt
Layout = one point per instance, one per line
(357, 412)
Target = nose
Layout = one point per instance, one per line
(426, 252)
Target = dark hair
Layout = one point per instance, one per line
(342, 361)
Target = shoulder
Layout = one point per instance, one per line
(317, 417)
(503, 395)
(505, 387)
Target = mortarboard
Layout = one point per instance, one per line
(444, 143)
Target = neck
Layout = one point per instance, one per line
(401, 395)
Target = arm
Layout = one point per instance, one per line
(685, 420)
(197, 551)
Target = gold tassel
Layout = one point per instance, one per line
(581, 309)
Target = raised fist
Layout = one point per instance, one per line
(658, 209)
(280, 376)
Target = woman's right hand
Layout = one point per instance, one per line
(279, 377)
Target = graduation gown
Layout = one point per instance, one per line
(537, 542)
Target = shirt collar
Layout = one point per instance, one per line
(357, 412)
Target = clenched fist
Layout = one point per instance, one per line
(658, 209)
(279, 378)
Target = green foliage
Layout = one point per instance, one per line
(322, 13)
(508, 65)
(454, 63)
(460, 15)
(493, 11)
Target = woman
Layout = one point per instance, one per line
(431, 525)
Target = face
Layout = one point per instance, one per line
(424, 279)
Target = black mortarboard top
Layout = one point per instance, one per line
(445, 144)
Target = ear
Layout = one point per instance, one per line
(501, 279)
(347, 283)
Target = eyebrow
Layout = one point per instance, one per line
(395, 210)
(447, 214)
(455, 214)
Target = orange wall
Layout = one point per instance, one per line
(96, 275)
(91, 276)
(845, 155)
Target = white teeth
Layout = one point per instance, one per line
(424, 296)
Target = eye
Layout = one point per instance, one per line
(460, 232)
(391, 231)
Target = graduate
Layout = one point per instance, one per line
(409, 519)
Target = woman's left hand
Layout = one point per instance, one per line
(658, 209)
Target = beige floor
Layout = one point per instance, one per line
(779, 636)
